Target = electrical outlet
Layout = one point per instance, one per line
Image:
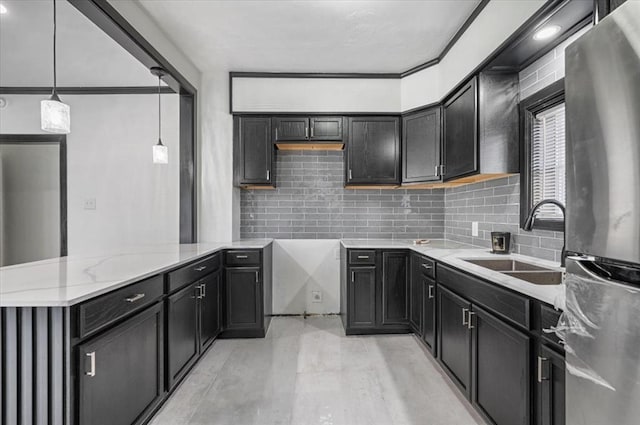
(316, 296)
(474, 228)
(90, 204)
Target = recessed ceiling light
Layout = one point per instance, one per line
(546, 32)
(3, 9)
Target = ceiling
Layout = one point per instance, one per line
(311, 35)
(86, 55)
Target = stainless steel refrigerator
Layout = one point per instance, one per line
(601, 323)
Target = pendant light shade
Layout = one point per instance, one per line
(160, 151)
(55, 116)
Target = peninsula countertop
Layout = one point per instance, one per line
(65, 281)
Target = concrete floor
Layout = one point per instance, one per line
(309, 372)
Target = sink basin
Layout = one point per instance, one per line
(538, 277)
(531, 273)
(505, 265)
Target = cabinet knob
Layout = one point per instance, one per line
(312, 128)
(257, 277)
(541, 376)
(268, 174)
(470, 320)
(436, 172)
(430, 289)
(92, 364)
(350, 175)
(464, 316)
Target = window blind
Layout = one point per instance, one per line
(548, 160)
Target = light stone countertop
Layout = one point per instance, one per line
(65, 281)
(454, 253)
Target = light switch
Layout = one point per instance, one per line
(90, 204)
(474, 228)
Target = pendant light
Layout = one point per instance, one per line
(55, 116)
(160, 151)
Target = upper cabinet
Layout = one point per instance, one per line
(301, 129)
(373, 151)
(480, 137)
(254, 158)
(421, 140)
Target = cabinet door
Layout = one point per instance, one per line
(243, 292)
(362, 297)
(254, 147)
(416, 287)
(290, 129)
(501, 370)
(429, 313)
(183, 346)
(421, 140)
(373, 150)
(454, 338)
(395, 288)
(326, 128)
(461, 132)
(121, 371)
(210, 311)
(550, 373)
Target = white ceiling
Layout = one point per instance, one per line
(311, 35)
(86, 55)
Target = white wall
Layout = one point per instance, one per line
(316, 94)
(301, 267)
(109, 160)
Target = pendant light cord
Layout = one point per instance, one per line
(159, 113)
(54, 48)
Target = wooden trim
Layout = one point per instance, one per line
(85, 90)
(546, 98)
(310, 146)
(372, 186)
(49, 139)
(257, 187)
(481, 178)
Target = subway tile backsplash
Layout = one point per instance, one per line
(495, 205)
(310, 202)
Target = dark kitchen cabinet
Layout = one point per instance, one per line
(429, 313)
(183, 334)
(243, 298)
(454, 338)
(290, 129)
(210, 309)
(301, 129)
(121, 375)
(501, 369)
(421, 140)
(605, 7)
(460, 132)
(416, 289)
(254, 152)
(362, 297)
(373, 150)
(550, 371)
(395, 287)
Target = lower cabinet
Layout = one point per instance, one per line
(429, 312)
(551, 387)
(362, 297)
(395, 289)
(120, 374)
(183, 343)
(416, 290)
(243, 298)
(500, 369)
(210, 309)
(454, 338)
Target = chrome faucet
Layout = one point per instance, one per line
(528, 224)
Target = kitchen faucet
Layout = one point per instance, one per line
(528, 224)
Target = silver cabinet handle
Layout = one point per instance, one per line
(350, 175)
(540, 375)
(363, 257)
(92, 360)
(312, 128)
(199, 288)
(256, 277)
(353, 277)
(268, 174)
(203, 287)
(470, 320)
(430, 291)
(426, 266)
(464, 316)
(199, 269)
(442, 170)
(134, 298)
(436, 167)
(242, 257)
(306, 132)
(276, 133)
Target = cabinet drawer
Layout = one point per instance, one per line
(548, 318)
(427, 267)
(509, 305)
(192, 272)
(362, 256)
(95, 314)
(242, 257)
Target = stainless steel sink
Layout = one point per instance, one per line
(531, 273)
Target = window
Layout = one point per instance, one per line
(543, 170)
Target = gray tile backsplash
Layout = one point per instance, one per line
(495, 205)
(310, 202)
